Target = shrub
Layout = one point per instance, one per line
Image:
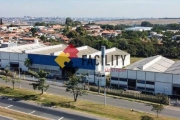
(146, 118)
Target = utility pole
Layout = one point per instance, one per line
(88, 80)
(105, 95)
(98, 85)
(19, 79)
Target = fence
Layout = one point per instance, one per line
(175, 102)
(133, 94)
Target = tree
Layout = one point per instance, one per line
(69, 21)
(75, 23)
(27, 62)
(146, 24)
(75, 86)
(66, 30)
(33, 31)
(40, 24)
(77, 42)
(157, 108)
(11, 77)
(163, 99)
(72, 34)
(81, 31)
(41, 83)
(43, 38)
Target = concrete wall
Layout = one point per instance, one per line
(163, 88)
(7, 57)
(176, 79)
(162, 81)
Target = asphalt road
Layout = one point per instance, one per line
(169, 111)
(4, 118)
(46, 112)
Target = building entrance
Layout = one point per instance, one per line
(131, 84)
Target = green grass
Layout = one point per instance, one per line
(81, 105)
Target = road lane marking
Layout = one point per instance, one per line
(32, 112)
(9, 106)
(61, 118)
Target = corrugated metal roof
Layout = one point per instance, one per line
(20, 49)
(174, 69)
(158, 66)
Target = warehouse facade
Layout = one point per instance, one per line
(43, 57)
(155, 74)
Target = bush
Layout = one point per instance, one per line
(146, 118)
(163, 99)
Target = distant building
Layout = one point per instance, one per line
(1, 22)
(176, 37)
(109, 34)
(90, 27)
(139, 29)
(155, 35)
(8, 44)
(28, 39)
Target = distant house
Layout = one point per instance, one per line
(3, 27)
(62, 38)
(8, 44)
(176, 37)
(12, 28)
(28, 39)
(155, 35)
(109, 34)
(40, 27)
(25, 26)
(56, 27)
(90, 27)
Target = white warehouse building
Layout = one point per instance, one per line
(43, 57)
(155, 74)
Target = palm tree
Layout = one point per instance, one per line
(41, 83)
(27, 62)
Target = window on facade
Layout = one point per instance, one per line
(140, 88)
(123, 79)
(150, 83)
(141, 81)
(114, 78)
(149, 89)
(122, 86)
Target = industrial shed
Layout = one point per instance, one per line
(155, 74)
(43, 57)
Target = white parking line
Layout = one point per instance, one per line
(61, 118)
(32, 112)
(9, 106)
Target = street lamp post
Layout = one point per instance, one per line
(88, 80)
(105, 95)
(98, 85)
(19, 79)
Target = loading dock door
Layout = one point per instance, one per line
(131, 84)
(176, 90)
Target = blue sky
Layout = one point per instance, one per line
(90, 8)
